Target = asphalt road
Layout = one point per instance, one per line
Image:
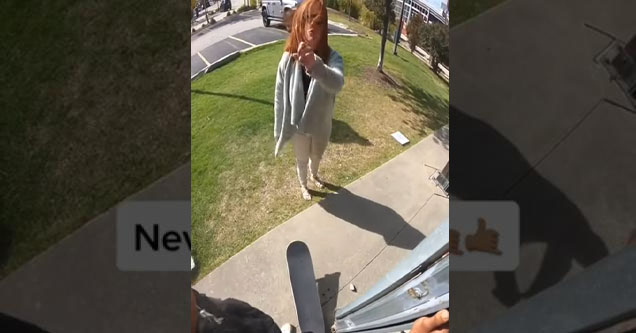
(237, 33)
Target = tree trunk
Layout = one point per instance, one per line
(385, 30)
(398, 32)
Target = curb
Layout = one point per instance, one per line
(259, 45)
(344, 34)
(339, 25)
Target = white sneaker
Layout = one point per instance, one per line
(287, 328)
(317, 181)
(305, 193)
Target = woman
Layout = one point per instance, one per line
(310, 74)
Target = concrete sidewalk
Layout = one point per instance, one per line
(543, 99)
(200, 21)
(355, 236)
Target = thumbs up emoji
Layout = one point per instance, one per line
(484, 240)
(454, 242)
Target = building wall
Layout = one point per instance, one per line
(417, 7)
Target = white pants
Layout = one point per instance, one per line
(308, 151)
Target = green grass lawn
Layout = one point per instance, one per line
(92, 112)
(240, 191)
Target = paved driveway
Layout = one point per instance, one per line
(201, 56)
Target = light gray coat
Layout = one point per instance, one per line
(292, 114)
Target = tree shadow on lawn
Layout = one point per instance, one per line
(432, 111)
(343, 133)
(442, 137)
(245, 98)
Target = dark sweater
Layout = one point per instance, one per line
(231, 316)
(306, 81)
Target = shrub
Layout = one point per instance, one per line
(343, 5)
(253, 3)
(333, 4)
(369, 19)
(355, 5)
(379, 8)
(391, 32)
(243, 9)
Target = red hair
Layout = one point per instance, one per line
(309, 12)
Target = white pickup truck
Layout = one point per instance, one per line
(277, 10)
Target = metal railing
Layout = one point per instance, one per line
(416, 287)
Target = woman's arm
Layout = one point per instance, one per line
(279, 103)
(330, 77)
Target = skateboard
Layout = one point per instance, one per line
(304, 289)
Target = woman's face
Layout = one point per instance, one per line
(313, 29)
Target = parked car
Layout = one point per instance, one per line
(277, 10)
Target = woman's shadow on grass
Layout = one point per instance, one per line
(369, 215)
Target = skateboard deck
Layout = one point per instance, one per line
(304, 289)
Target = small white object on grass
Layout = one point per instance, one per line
(191, 263)
(352, 287)
(399, 137)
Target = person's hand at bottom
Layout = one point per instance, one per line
(435, 324)
(193, 312)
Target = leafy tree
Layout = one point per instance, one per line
(379, 7)
(333, 4)
(414, 32)
(435, 41)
